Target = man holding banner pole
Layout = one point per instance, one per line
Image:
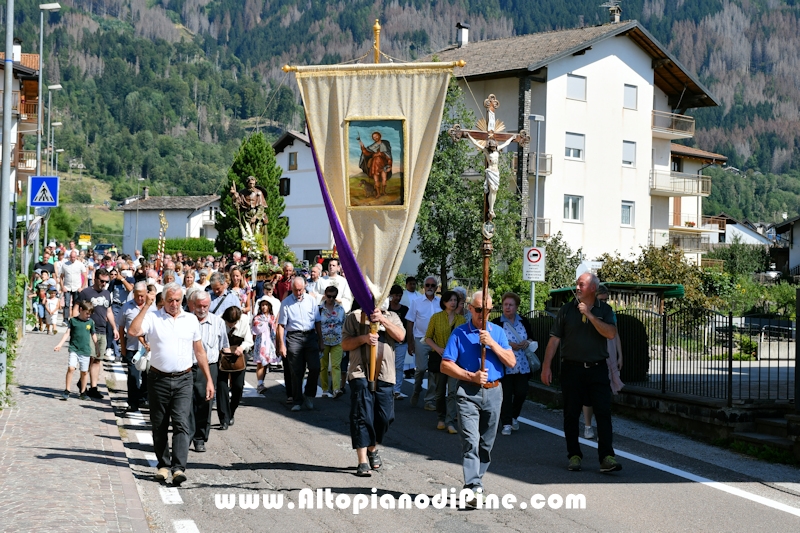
(371, 408)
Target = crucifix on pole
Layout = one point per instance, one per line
(489, 137)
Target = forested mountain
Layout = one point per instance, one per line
(166, 89)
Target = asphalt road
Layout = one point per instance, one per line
(668, 483)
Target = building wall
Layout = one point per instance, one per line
(197, 229)
(149, 226)
(308, 223)
(600, 178)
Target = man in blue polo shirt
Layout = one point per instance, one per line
(479, 394)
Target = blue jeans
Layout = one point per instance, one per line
(478, 415)
(400, 351)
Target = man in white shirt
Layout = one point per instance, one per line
(73, 280)
(174, 336)
(410, 294)
(345, 297)
(314, 285)
(418, 316)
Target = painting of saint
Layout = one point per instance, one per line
(375, 163)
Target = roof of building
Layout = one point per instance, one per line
(527, 53)
(28, 67)
(30, 61)
(167, 203)
(288, 138)
(696, 153)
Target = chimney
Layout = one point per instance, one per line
(462, 34)
(16, 54)
(615, 12)
(146, 191)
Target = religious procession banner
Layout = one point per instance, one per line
(373, 129)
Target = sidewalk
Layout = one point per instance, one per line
(62, 464)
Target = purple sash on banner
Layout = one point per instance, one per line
(358, 286)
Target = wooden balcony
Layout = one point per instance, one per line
(29, 112)
(672, 125)
(666, 183)
(687, 243)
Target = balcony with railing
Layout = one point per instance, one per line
(542, 228)
(666, 183)
(686, 242)
(545, 164)
(672, 125)
(693, 224)
(26, 161)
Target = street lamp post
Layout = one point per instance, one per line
(55, 167)
(538, 119)
(50, 89)
(136, 239)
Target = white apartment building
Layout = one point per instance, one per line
(186, 216)
(613, 100)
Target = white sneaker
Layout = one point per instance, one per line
(109, 354)
(515, 424)
(506, 430)
(327, 394)
(400, 396)
(588, 433)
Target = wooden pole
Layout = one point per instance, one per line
(487, 254)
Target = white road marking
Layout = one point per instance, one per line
(170, 495)
(185, 526)
(151, 459)
(144, 438)
(119, 372)
(677, 472)
(136, 418)
(319, 389)
(249, 391)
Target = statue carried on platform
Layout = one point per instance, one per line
(251, 202)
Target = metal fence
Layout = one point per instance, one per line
(700, 352)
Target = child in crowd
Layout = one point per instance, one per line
(263, 329)
(51, 307)
(38, 301)
(82, 340)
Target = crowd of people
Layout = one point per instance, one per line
(185, 329)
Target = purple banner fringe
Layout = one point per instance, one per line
(358, 285)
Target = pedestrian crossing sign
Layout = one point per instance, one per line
(43, 191)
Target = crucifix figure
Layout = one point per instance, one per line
(490, 137)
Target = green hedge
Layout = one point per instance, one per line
(191, 247)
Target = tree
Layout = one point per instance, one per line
(255, 158)
(451, 215)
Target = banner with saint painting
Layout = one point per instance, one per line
(373, 129)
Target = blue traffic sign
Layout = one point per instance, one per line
(43, 191)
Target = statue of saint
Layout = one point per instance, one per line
(251, 202)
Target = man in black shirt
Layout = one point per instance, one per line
(45, 264)
(581, 329)
(103, 318)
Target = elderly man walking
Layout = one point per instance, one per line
(174, 337)
(214, 335)
(221, 297)
(581, 329)
(299, 342)
(479, 394)
(419, 315)
(137, 380)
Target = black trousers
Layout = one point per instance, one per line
(137, 380)
(200, 422)
(227, 404)
(515, 391)
(586, 386)
(170, 400)
(371, 413)
(287, 378)
(302, 350)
